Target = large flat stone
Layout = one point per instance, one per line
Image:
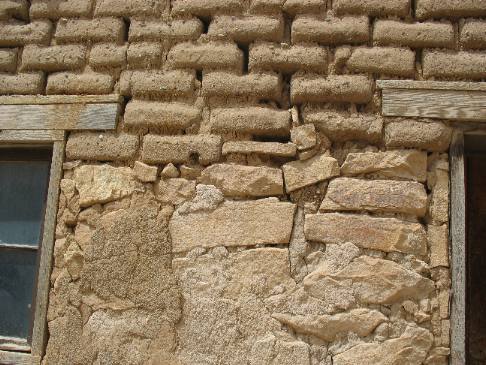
(384, 234)
(375, 195)
(233, 224)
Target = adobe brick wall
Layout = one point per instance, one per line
(253, 206)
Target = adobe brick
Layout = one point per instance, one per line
(295, 7)
(409, 133)
(257, 85)
(160, 83)
(93, 30)
(8, 60)
(248, 28)
(473, 34)
(16, 34)
(415, 35)
(179, 149)
(206, 56)
(94, 146)
(177, 30)
(449, 8)
(334, 88)
(460, 65)
(256, 120)
(55, 9)
(332, 31)
(377, 8)
(275, 57)
(266, 6)
(123, 8)
(169, 116)
(85, 83)
(18, 9)
(144, 55)
(386, 60)
(108, 55)
(207, 7)
(22, 84)
(53, 58)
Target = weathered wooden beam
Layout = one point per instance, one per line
(59, 99)
(18, 358)
(431, 85)
(30, 136)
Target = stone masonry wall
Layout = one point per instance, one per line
(252, 207)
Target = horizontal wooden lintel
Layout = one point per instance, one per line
(59, 99)
(18, 358)
(431, 85)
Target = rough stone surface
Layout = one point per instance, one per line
(175, 191)
(144, 172)
(299, 174)
(101, 146)
(8, 60)
(54, 58)
(95, 30)
(12, 35)
(248, 28)
(472, 34)
(383, 60)
(177, 30)
(85, 83)
(438, 182)
(239, 180)
(345, 30)
(375, 195)
(304, 136)
(375, 8)
(55, 9)
(438, 237)
(233, 224)
(263, 148)
(22, 83)
(384, 234)
(108, 55)
(449, 8)
(460, 65)
(433, 136)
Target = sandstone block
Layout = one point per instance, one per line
(404, 164)
(462, 65)
(168, 116)
(438, 182)
(375, 195)
(13, 34)
(332, 31)
(304, 136)
(376, 8)
(334, 88)
(433, 136)
(161, 83)
(85, 83)
(22, 83)
(242, 181)
(257, 85)
(144, 55)
(18, 9)
(299, 174)
(328, 327)
(108, 55)
(177, 30)
(233, 224)
(144, 172)
(275, 57)
(170, 171)
(415, 35)
(92, 30)
(101, 146)
(8, 60)
(438, 237)
(175, 191)
(104, 183)
(248, 28)
(295, 7)
(53, 9)
(161, 149)
(384, 234)
(254, 120)
(120, 8)
(206, 8)
(473, 34)
(410, 348)
(384, 60)
(206, 56)
(260, 148)
(54, 58)
(342, 127)
(449, 8)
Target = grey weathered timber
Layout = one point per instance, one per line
(431, 85)
(59, 99)
(18, 358)
(458, 242)
(30, 136)
(45, 263)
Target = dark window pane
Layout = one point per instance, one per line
(17, 275)
(23, 189)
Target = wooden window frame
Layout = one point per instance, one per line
(35, 121)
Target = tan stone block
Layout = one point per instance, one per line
(376, 8)
(54, 58)
(93, 30)
(445, 332)
(22, 83)
(444, 300)
(332, 31)
(473, 34)
(299, 174)
(175, 191)
(334, 88)
(383, 60)
(449, 8)
(438, 237)
(120, 8)
(304, 136)
(54, 9)
(101, 146)
(15, 34)
(177, 30)
(266, 6)
(438, 182)
(415, 35)
(144, 55)
(403, 164)
(233, 224)
(260, 148)
(256, 85)
(461, 65)
(170, 171)
(295, 7)
(384, 234)
(275, 57)
(248, 28)
(409, 133)
(162, 83)
(242, 181)
(207, 7)
(108, 55)
(375, 195)
(165, 149)
(18, 9)
(144, 172)
(85, 83)
(254, 120)
(8, 60)
(169, 116)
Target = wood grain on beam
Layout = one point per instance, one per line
(59, 99)
(18, 358)
(31, 136)
(431, 85)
